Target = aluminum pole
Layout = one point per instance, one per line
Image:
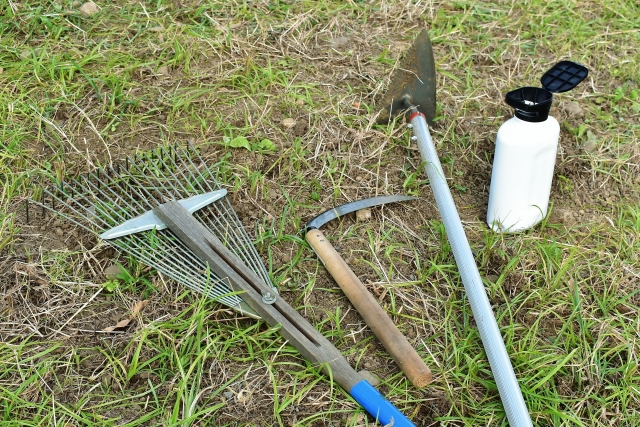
(505, 378)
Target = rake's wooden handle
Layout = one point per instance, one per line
(383, 327)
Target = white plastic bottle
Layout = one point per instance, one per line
(525, 152)
(522, 172)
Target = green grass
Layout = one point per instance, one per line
(77, 92)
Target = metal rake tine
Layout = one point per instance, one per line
(140, 168)
(124, 190)
(138, 247)
(107, 197)
(86, 188)
(249, 256)
(198, 282)
(229, 211)
(131, 188)
(170, 266)
(174, 178)
(135, 243)
(141, 245)
(241, 244)
(139, 185)
(174, 152)
(181, 171)
(139, 164)
(112, 214)
(227, 206)
(123, 217)
(84, 226)
(160, 186)
(221, 227)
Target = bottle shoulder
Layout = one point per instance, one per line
(523, 131)
(514, 121)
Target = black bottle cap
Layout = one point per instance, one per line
(532, 104)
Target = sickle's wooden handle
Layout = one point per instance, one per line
(383, 327)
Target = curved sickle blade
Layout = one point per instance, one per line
(415, 77)
(341, 210)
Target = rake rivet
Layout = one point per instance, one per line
(268, 298)
(414, 138)
(409, 126)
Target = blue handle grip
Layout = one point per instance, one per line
(379, 407)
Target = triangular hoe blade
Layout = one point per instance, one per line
(415, 77)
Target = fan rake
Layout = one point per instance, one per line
(166, 209)
(101, 200)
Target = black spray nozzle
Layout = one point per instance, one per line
(532, 104)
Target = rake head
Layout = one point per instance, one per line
(104, 199)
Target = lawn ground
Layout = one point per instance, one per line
(81, 88)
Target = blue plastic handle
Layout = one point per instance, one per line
(379, 407)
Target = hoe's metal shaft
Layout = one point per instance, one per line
(506, 381)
